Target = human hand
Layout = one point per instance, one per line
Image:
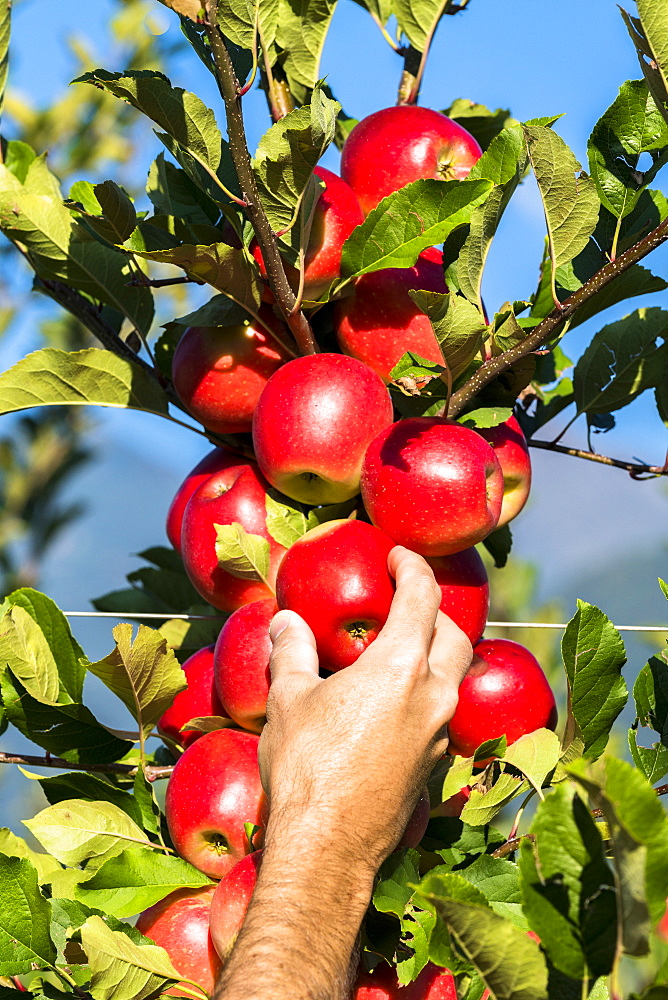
(344, 759)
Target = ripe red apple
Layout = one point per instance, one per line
(214, 790)
(241, 663)
(230, 902)
(379, 322)
(512, 451)
(180, 924)
(662, 926)
(237, 494)
(336, 577)
(462, 578)
(505, 692)
(395, 146)
(220, 371)
(417, 824)
(433, 485)
(198, 700)
(215, 461)
(433, 983)
(454, 805)
(336, 214)
(313, 423)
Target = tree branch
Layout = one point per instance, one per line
(512, 845)
(636, 469)
(546, 329)
(152, 771)
(229, 90)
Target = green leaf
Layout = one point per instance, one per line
(638, 831)
(144, 796)
(498, 880)
(393, 892)
(417, 19)
(458, 775)
(593, 654)
(459, 328)
(107, 210)
(650, 693)
(93, 377)
(632, 125)
(535, 755)
(241, 554)
(136, 879)
(499, 544)
(218, 311)
(16, 847)
(74, 831)
(417, 216)
(187, 8)
(652, 761)
(486, 416)
(24, 649)
(301, 32)
(569, 196)
(481, 808)
(635, 281)
(226, 268)
(172, 192)
(79, 785)
(33, 214)
(621, 361)
(284, 162)
(121, 969)
(288, 520)
(25, 942)
(506, 959)
(483, 123)
(68, 654)
(649, 34)
(504, 163)
(568, 887)
(143, 673)
(68, 731)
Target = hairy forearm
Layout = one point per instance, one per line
(301, 928)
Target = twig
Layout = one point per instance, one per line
(415, 62)
(152, 771)
(512, 845)
(184, 279)
(635, 469)
(546, 329)
(229, 90)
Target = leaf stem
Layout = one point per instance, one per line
(152, 771)
(277, 91)
(385, 33)
(546, 330)
(635, 469)
(278, 282)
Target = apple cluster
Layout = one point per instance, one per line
(328, 449)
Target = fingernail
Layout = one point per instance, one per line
(279, 622)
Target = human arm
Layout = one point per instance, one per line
(343, 761)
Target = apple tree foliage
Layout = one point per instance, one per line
(588, 874)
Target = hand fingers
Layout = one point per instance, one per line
(413, 611)
(450, 653)
(294, 650)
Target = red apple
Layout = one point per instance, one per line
(336, 214)
(433, 485)
(198, 700)
(241, 663)
(433, 983)
(662, 926)
(505, 692)
(235, 495)
(336, 577)
(313, 423)
(417, 824)
(220, 371)
(214, 790)
(230, 902)
(395, 146)
(454, 805)
(512, 451)
(180, 924)
(214, 461)
(462, 578)
(380, 321)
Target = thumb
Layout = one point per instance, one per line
(294, 650)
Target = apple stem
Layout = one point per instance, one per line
(278, 282)
(635, 469)
(415, 61)
(548, 328)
